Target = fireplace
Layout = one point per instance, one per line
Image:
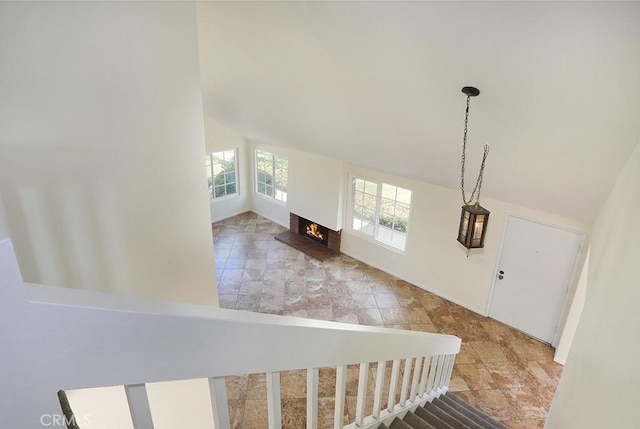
(313, 231)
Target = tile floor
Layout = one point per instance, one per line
(499, 370)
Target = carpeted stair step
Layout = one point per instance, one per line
(416, 422)
(462, 418)
(442, 415)
(446, 412)
(473, 413)
(458, 414)
(431, 418)
(399, 424)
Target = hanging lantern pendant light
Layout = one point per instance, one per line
(474, 218)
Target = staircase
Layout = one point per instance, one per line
(81, 341)
(446, 412)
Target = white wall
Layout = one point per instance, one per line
(220, 138)
(600, 385)
(316, 187)
(433, 259)
(102, 146)
(573, 316)
(100, 408)
(181, 403)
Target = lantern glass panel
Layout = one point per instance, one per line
(465, 224)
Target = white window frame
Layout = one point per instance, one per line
(375, 235)
(211, 158)
(280, 195)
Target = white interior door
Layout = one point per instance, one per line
(535, 270)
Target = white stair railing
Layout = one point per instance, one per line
(67, 339)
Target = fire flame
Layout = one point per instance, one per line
(313, 230)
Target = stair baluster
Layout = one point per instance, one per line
(139, 406)
(219, 404)
(312, 398)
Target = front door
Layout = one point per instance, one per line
(534, 274)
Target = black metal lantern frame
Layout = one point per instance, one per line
(474, 218)
(473, 226)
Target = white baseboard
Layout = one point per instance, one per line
(270, 218)
(421, 286)
(216, 219)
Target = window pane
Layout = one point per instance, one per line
(401, 225)
(404, 196)
(268, 190)
(262, 188)
(230, 177)
(261, 156)
(402, 210)
(358, 185)
(358, 217)
(370, 201)
(280, 195)
(358, 197)
(369, 215)
(264, 161)
(385, 220)
(229, 166)
(389, 191)
(368, 219)
(281, 173)
(219, 191)
(231, 189)
(387, 206)
(371, 188)
(281, 180)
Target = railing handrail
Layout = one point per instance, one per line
(342, 343)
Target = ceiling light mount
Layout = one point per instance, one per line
(471, 91)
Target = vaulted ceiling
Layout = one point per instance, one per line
(378, 84)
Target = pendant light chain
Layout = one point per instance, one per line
(476, 190)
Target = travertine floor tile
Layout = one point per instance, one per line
(255, 414)
(533, 424)
(524, 400)
(477, 376)
(494, 403)
(505, 374)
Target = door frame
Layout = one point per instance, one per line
(566, 302)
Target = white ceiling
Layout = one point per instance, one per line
(378, 84)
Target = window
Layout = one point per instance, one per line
(222, 173)
(381, 211)
(271, 175)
